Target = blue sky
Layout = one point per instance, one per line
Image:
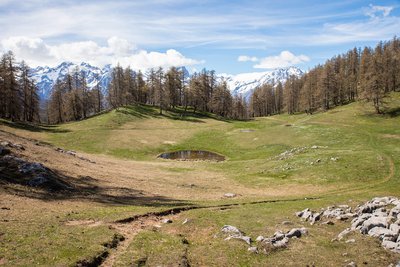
(227, 36)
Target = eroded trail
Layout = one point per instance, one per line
(129, 227)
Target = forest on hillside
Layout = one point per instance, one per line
(359, 74)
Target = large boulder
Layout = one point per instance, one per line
(357, 222)
(374, 222)
(383, 233)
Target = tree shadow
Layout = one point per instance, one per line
(33, 127)
(392, 112)
(61, 187)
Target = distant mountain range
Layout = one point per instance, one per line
(243, 83)
(46, 77)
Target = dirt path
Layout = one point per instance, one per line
(132, 226)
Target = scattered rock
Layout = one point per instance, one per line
(229, 229)
(373, 222)
(281, 243)
(70, 152)
(293, 233)
(390, 245)
(166, 221)
(309, 215)
(318, 161)
(186, 221)
(29, 167)
(383, 233)
(253, 249)
(259, 238)
(328, 223)
(351, 264)
(4, 151)
(246, 239)
(350, 241)
(230, 195)
(11, 145)
(344, 233)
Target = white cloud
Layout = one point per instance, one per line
(247, 58)
(36, 52)
(378, 11)
(284, 59)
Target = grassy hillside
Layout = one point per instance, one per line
(360, 140)
(343, 156)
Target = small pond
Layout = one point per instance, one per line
(192, 155)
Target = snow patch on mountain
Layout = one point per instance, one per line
(46, 77)
(240, 84)
(245, 83)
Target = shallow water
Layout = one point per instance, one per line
(192, 155)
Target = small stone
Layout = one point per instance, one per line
(350, 241)
(166, 221)
(344, 233)
(246, 239)
(5, 143)
(230, 195)
(186, 221)
(229, 229)
(70, 152)
(318, 161)
(287, 223)
(352, 264)
(328, 223)
(253, 249)
(260, 238)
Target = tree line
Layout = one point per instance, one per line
(368, 73)
(202, 91)
(72, 100)
(19, 100)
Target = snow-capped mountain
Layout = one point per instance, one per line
(46, 77)
(240, 84)
(245, 83)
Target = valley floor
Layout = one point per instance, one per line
(114, 196)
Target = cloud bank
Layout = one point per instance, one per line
(36, 52)
(284, 59)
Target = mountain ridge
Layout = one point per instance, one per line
(239, 84)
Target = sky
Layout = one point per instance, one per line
(228, 36)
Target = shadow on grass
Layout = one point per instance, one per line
(33, 127)
(60, 187)
(145, 111)
(392, 112)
